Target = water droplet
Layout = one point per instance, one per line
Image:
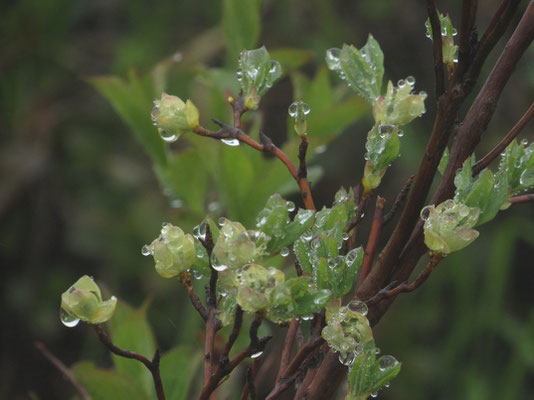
(401, 83)
(290, 206)
(164, 225)
(374, 394)
(377, 350)
(168, 137)
(332, 58)
(67, 319)
(345, 236)
(230, 141)
(199, 231)
(145, 250)
(346, 359)
(307, 236)
(358, 307)
(387, 362)
(423, 93)
(410, 80)
(256, 355)
(293, 109)
(284, 252)
(425, 212)
(305, 108)
(222, 221)
(307, 317)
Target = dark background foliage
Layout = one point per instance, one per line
(78, 194)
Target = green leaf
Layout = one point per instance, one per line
(131, 331)
(444, 161)
(133, 104)
(104, 384)
(241, 25)
(178, 368)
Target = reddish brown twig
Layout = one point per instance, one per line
(303, 353)
(436, 46)
(266, 145)
(152, 366)
(526, 198)
(249, 384)
(374, 237)
(185, 279)
(239, 108)
(386, 293)
(288, 346)
(225, 367)
(467, 23)
(65, 371)
(501, 146)
(401, 197)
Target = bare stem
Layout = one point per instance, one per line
(374, 237)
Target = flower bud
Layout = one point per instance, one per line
(448, 227)
(173, 251)
(173, 117)
(399, 106)
(299, 110)
(83, 301)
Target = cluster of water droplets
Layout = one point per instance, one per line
(298, 109)
(257, 70)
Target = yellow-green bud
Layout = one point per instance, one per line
(83, 301)
(173, 251)
(399, 106)
(173, 117)
(448, 227)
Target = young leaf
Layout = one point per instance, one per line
(241, 25)
(178, 367)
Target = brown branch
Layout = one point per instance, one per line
(239, 108)
(526, 198)
(225, 367)
(467, 23)
(185, 279)
(437, 46)
(374, 237)
(497, 150)
(65, 371)
(267, 146)
(303, 353)
(386, 293)
(249, 386)
(288, 346)
(151, 365)
(401, 197)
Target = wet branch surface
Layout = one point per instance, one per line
(151, 365)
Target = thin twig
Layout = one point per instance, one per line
(303, 353)
(437, 47)
(65, 371)
(401, 197)
(501, 146)
(249, 386)
(373, 241)
(239, 108)
(238, 321)
(469, 10)
(266, 145)
(526, 198)
(185, 279)
(288, 346)
(386, 293)
(151, 365)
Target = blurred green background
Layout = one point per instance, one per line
(80, 194)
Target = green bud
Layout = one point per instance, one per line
(173, 251)
(256, 74)
(383, 146)
(83, 301)
(399, 106)
(173, 117)
(517, 162)
(298, 110)
(237, 247)
(448, 227)
(450, 50)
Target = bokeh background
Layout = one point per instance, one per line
(79, 194)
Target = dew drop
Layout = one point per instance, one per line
(199, 231)
(345, 236)
(290, 206)
(425, 212)
(374, 394)
(401, 83)
(305, 108)
(284, 252)
(293, 109)
(67, 319)
(145, 250)
(230, 141)
(256, 355)
(358, 307)
(410, 80)
(307, 236)
(168, 137)
(332, 58)
(346, 359)
(222, 221)
(387, 362)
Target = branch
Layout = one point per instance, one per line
(374, 237)
(67, 373)
(401, 197)
(238, 321)
(469, 10)
(437, 47)
(266, 145)
(239, 108)
(185, 279)
(526, 198)
(497, 150)
(303, 353)
(152, 366)
(250, 387)
(386, 293)
(288, 345)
